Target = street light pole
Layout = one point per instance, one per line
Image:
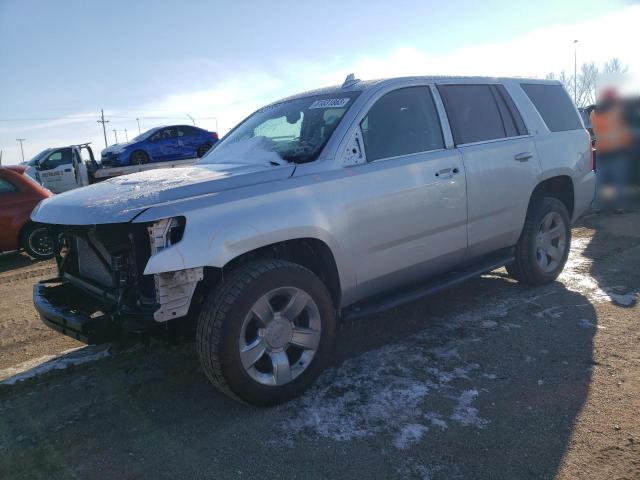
(115, 134)
(192, 119)
(138, 120)
(126, 137)
(20, 140)
(575, 72)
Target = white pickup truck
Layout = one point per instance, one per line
(65, 168)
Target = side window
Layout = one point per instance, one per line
(473, 113)
(511, 119)
(58, 158)
(6, 186)
(554, 105)
(402, 122)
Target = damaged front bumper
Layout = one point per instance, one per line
(101, 291)
(67, 309)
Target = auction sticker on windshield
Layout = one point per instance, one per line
(329, 103)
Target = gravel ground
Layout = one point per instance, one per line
(487, 380)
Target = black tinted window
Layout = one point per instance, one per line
(6, 186)
(473, 113)
(61, 157)
(402, 122)
(554, 105)
(513, 123)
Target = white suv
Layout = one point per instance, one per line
(326, 205)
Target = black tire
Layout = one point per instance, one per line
(203, 149)
(37, 241)
(139, 158)
(526, 267)
(220, 323)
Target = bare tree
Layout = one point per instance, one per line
(614, 66)
(587, 80)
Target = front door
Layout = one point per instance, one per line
(56, 171)
(407, 205)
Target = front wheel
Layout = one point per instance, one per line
(139, 158)
(37, 241)
(266, 333)
(544, 244)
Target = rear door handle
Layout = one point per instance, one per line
(523, 157)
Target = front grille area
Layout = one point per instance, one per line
(107, 261)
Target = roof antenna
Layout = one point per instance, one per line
(350, 80)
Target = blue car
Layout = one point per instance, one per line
(160, 144)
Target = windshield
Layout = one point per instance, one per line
(291, 131)
(144, 135)
(36, 159)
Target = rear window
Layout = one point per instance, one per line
(554, 105)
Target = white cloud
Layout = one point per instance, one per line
(532, 54)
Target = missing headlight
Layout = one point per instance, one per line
(165, 232)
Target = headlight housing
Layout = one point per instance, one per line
(165, 232)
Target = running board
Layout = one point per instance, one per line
(435, 285)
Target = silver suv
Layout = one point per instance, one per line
(327, 205)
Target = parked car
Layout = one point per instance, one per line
(19, 194)
(323, 206)
(160, 144)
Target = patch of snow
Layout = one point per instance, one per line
(436, 420)
(465, 414)
(40, 366)
(409, 435)
(489, 324)
(250, 151)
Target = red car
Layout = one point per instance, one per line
(19, 194)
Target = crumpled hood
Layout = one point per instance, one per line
(115, 148)
(120, 199)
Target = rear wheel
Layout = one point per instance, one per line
(203, 149)
(266, 333)
(37, 241)
(139, 158)
(543, 248)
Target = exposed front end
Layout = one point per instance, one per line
(101, 291)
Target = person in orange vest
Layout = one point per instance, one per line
(614, 140)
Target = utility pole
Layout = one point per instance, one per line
(192, 119)
(138, 120)
(115, 134)
(104, 130)
(126, 137)
(0, 156)
(20, 140)
(575, 72)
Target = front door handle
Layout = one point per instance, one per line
(523, 157)
(444, 171)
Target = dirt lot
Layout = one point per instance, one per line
(487, 380)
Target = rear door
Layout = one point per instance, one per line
(56, 171)
(500, 161)
(188, 142)
(407, 204)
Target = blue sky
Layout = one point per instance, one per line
(62, 61)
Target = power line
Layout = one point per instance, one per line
(104, 130)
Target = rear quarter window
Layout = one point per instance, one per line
(554, 105)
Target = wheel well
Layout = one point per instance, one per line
(311, 253)
(560, 187)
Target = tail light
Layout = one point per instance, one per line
(215, 136)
